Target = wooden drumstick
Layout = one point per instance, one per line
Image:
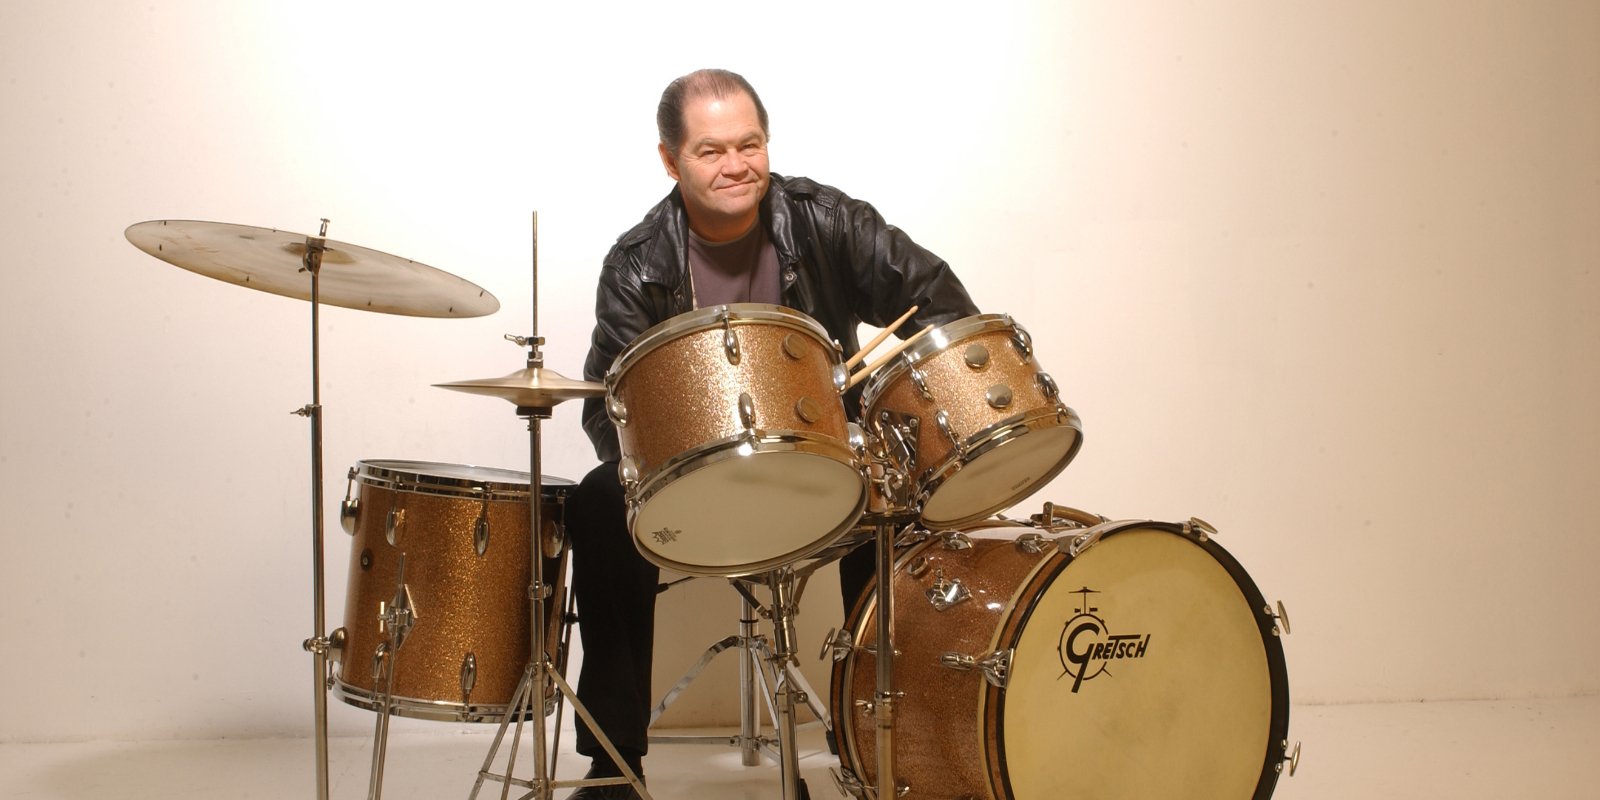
(877, 340)
(894, 351)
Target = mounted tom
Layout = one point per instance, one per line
(736, 455)
(971, 418)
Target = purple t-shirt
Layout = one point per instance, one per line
(744, 270)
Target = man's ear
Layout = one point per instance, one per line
(667, 161)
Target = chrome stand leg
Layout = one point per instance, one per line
(749, 671)
(782, 656)
(884, 699)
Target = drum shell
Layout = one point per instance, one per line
(962, 366)
(464, 602)
(681, 393)
(734, 461)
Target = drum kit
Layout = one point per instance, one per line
(1065, 655)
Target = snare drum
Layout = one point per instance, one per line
(735, 450)
(1146, 665)
(464, 533)
(972, 418)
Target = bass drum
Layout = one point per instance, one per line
(1145, 665)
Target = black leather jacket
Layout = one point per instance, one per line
(841, 265)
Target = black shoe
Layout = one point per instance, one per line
(610, 791)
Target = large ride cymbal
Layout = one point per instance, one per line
(533, 387)
(272, 261)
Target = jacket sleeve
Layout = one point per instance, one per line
(621, 313)
(891, 273)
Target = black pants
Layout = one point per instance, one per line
(616, 592)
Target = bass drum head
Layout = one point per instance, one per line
(741, 514)
(1001, 477)
(1146, 667)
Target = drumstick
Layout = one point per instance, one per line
(877, 340)
(894, 351)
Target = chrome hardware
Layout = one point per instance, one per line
(793, 346)
(398, 615)
(350, 507)
(976, 356)
(918, 566)
(1031, 543)
(955, 540)
(628, 472)
(1023, 342)
(807, 410)
(480, 532)
(1282, 617)
(856, 436)
(1057, 517)
(392, 525)
(838, 643)
(349, 513)
(996, 667)
(1047, 386)
(998, 396)
(945, 593)
(730, 343)
(1075, 545)
(920, 381)
(747, 411)
(841, 378)
(1290, 756)
(899, 435)
(617, 410)
(1199, 529)
(469, 677)
(943, 420)
(847, 783)
(379, 653)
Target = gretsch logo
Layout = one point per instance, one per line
(1087, 645)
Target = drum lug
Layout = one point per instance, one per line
(1047, 386)
(469, 678)
(920, 380)
(1031, 543)
(351, 507)
(628, 473)
(1282, 617)
(945, 593)
(1199, 529)
(730, 342)
(1075, 545)
(996, 667)
(349, 513)
(841, 378)
(480, 533)
(747, 411)
(955, 540)
(1291, 757)
(1022, 341)
(943, 420)
(838, 643)
(847, 783)
(392, 525)
(617, 410)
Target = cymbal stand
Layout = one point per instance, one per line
(395, 622)
(318, 644)
(539, 672)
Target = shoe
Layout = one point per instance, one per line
(610, 791)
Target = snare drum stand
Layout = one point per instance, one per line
(539, 670)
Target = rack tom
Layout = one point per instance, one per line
(735, 450)
(972, 418)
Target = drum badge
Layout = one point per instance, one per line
(665, 535)
(1087, 645)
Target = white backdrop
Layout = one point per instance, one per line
(1324, 276)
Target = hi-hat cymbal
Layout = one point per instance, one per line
(533, 387)
(272, 261)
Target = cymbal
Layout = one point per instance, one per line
(532, 387)
(271, 261)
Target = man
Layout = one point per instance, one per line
(729, 232)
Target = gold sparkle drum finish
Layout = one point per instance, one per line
(736, 455)
(972, 418)
(1144, 663)
(464, 533)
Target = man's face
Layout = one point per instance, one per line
(722, 168)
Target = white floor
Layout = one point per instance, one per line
(1548, 749)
